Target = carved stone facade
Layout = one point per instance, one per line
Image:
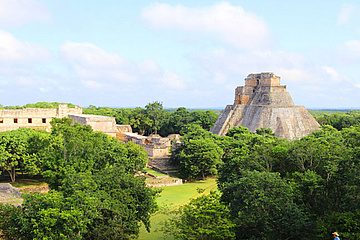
(263, 102)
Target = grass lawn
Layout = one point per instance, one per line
(175, 196)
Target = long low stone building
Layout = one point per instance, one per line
(35, 118)
(40, 118)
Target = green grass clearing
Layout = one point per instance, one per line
(155, 173)
(174, 197)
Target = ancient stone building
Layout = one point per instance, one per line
(103, 124)
(263, 102)
(155, 145)
(35, 118)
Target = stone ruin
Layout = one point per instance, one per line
(263, 102)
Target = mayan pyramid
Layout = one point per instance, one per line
(263, 102)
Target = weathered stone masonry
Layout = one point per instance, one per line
(263, 102)
(36, 118)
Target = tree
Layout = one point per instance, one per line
(346, 223)
(155, 112)
(204, 217)
(206, 119)
(140, 121)
(40, 144)
(106, 205)
(82, 150)
(199, 158)
(13, 150)
(174, 121)
(8, 221)
(262, 206)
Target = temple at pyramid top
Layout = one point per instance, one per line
(263, 102)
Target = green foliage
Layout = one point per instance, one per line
(82, 150)
(38, 105)
(154, 119)
(95, 193)
(8, 221)
(339, 120)
(262, 206)
(17, 151)
(204, 217)
(347, 224)
(107, 205)
(298, 185)
(198, 156)
(155, 112)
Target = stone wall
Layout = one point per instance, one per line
(103, 124)
(36, 118)
(269, 106)
(164, 182)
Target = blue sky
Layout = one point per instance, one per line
(183, 53)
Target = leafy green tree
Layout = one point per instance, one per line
(47, 105)
(174, 121)
(39, 146)
(9, 221)
(13, 150)
(262, 206)
(339, 120)
(155, 112)
(345, 223)
(82, 150)
(140, 121)
(110, 204)
(265, 132)
(206, 119)
(204, 217)
(199, 158)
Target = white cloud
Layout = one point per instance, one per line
(16, 51)
(149, 67)
(296, 75)
(333, 73)
(172, 81)
(228, 64)
(91, 63)
(349, 52)
(347, 11)
(357, 85)
(232, 24)
(99, 69)
(18, 12)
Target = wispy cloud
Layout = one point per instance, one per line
(100, 69)
(349, 52)
(90, 63)
(172, 81)
(231, 24)
(16, 51)
(347, 11)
